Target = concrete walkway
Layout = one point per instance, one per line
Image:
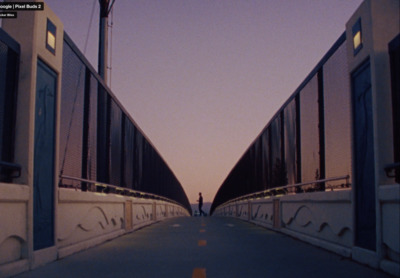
(204, 247)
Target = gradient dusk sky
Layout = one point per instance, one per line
(203, 77)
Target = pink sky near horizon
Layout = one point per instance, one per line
(203, 77)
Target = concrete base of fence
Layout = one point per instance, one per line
(83, 220)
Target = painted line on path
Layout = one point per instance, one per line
(202, 242)
(199, 273)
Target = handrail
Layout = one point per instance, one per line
(102, 187)
(283, 189)
(13, 167)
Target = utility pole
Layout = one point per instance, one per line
(105, 8)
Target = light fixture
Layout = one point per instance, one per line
(357, 37)
(51, 37)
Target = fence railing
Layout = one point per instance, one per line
(101, 141)
(95, 186)
(294, 189)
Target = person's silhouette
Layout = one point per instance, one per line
(200, 200)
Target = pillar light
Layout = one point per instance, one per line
(51, 37)
(357, 37)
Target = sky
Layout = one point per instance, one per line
(202, 78)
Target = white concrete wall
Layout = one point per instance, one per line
(85, 216)
(242, 210)
(13, 228)
(86, 219)
(389, 201)
(321, 218)
(326, 217)
(262, 212)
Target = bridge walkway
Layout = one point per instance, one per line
(204, 247)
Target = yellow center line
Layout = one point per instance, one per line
(199, 273)
(202, 231)
(202, 242)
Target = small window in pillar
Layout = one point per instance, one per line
(357, 37)
(51, 37)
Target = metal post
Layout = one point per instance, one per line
(105, 9)
(103, 48)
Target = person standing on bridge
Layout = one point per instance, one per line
(200, 200)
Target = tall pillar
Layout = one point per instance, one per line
(103, 38)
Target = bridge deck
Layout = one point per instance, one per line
(204, 247)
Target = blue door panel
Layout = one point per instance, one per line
(43, 223)
(365, 232)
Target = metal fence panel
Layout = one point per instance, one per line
(291, 144)
(129, 154)
(92, 130)
(337, 109)
(309, 131)
(116, 133)
(9, 60)
(99, 141)
(72, 113)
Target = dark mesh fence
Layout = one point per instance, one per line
(103, 124)
(100, 142)
(147, 167)
(309, 132)
(138, 174)
(291, 149)
(394, 52)
(72, 112)
(129, 154)
(92, 130)
(116, 145)
(337, 115)
(9, 59)
(291, 144)
(265, 161)
(278, 167)
(3, 93)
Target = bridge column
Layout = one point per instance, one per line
(40, 35)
